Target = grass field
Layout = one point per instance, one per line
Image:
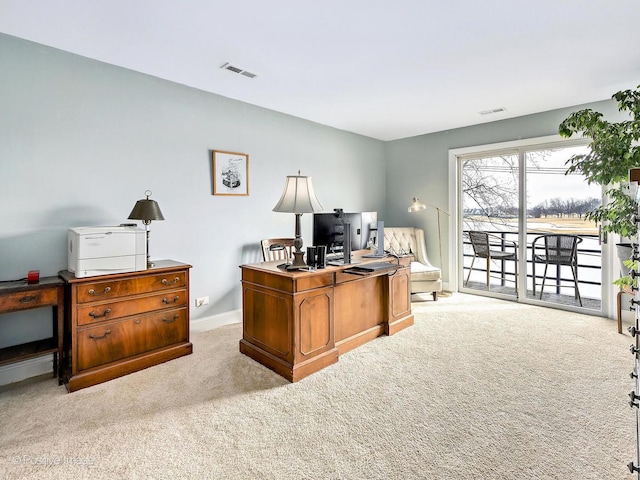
(551, 224)
(565, 224)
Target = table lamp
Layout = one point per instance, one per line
(146, 210)
(298, 198)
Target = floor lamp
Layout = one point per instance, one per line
(416, 206)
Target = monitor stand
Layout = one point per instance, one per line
(346, 249)
(379, 253)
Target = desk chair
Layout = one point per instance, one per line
(277, 249)
(492, 247)
(559, 249)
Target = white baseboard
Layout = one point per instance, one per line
(214, 321)
(16, 372)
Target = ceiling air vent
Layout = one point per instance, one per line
(493, 110)
(241, 71)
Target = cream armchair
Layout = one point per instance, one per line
(425, 278)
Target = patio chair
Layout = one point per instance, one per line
(559, 249)
(493, 247)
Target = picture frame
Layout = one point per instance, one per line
(230, 172)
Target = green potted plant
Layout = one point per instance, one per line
(614, 150)
(626, 282)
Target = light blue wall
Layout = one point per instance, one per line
(419, 166)
(80, 142)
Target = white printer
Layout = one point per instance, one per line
(104, 250)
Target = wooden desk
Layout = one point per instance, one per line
(18, 296)
(297, 323)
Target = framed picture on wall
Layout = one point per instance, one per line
(230, 173)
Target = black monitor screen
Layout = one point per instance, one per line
(328, 229)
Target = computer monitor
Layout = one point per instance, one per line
(376, 237)
(329, 229)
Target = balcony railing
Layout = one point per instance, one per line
(589, 266)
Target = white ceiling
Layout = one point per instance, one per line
(386, 69)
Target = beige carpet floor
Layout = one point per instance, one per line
(476, 389)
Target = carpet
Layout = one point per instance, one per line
(478, 388)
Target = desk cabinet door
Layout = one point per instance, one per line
(314, 320)
(290, 327)
(400, 294)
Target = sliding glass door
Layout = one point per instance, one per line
(523, 234)
(490, 213)
(564, 244)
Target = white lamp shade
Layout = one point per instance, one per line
(298, 196)
(416, 205)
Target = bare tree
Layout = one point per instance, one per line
(490, 190)
(564, 207)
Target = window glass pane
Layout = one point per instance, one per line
(490, 205)
(556, 204)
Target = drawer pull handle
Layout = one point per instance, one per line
(171, 320)
(175, 299)
(28, 299)
(108, 332)
(100, 315)
(94, 293)
(167, 282)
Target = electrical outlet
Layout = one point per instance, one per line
(202, 301)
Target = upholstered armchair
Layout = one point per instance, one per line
(425, 278)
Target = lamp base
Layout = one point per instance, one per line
(150, 264)
(298, 262)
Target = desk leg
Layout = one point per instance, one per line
(58, 314)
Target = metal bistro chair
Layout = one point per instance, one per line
(559, 249)
(277, 249)
(492, 247)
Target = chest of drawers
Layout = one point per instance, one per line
(118, 324)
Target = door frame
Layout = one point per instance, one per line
(609, 291)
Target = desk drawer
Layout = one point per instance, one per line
(26, 300)
(99, 312)
(105, 290)
(112, 341)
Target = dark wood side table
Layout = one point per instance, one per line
(19, 295)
